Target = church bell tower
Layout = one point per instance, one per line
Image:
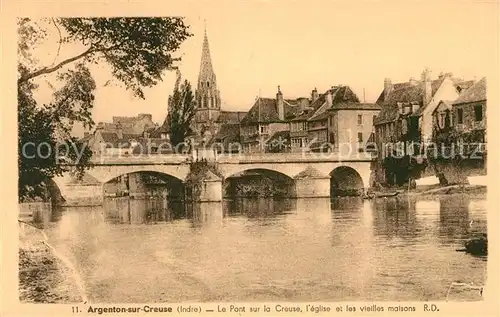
(207, 95)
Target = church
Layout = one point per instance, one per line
(210, 120)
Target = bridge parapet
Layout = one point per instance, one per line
(241, 158)
(292, 157)
(142, 159)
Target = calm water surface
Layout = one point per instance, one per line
(265, 250)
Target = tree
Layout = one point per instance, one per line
(181, 111)
(137, 50)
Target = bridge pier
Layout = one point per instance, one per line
(312, 184)
(210, 189)
(312, 187)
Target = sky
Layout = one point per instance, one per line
(256, 46)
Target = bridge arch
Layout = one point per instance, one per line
(346, 180)
(145, 183)
(290, 170)
(255, 181)
(106, 173)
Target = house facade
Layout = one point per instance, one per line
(299, 131)
(406, 123)
(334, 121)
(265, 118)
(469, 111)
(351, 125)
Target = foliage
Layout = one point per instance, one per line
(181, 111)
(138, 51)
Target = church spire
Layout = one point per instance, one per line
(206, 69)
(207, 94)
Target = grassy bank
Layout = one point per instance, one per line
(43, 278)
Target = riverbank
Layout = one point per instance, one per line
(478, 191)
(43, 277)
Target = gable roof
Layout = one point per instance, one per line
(476, 92)
(408, 92)
(228, 133)
(231, 116)
(265, 110)
(388, 113)
(314, 106)
(152, 145)
(340, 94)
(113, 141)
(355, 106)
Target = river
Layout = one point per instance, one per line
(345, 249)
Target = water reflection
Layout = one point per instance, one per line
(454, 220)
(271, 249)
(203, 214)
(394, 217)
(258, 207)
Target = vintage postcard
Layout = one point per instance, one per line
(250, 158)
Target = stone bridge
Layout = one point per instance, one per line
(311, 172)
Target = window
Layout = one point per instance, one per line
(374, 118)
(478, 113)
(441, 120)
(360, 137)
(212, 105)
(332, 138)
(322, 136)
(460, 115)
(263, 129)
(360, 119)
(208, 84)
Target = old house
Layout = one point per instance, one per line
(108, 142)
(442, 118)
(351, 125)
(299, 138)
(469, 114)
(341, 122)
(227, 139)
(266, 117)
(405, 122)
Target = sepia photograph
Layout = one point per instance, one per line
(326, 152)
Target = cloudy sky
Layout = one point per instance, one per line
(256, 46)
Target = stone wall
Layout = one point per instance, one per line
(83, 195)
(38, 213)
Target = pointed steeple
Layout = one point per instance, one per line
(207, 94)
(206, 69)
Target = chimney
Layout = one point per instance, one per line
(413, 81)
(426, 79)
(387, 87)
(329, 98)
(119, 131)
(100, 126)
(280, 105)
(314, 95)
